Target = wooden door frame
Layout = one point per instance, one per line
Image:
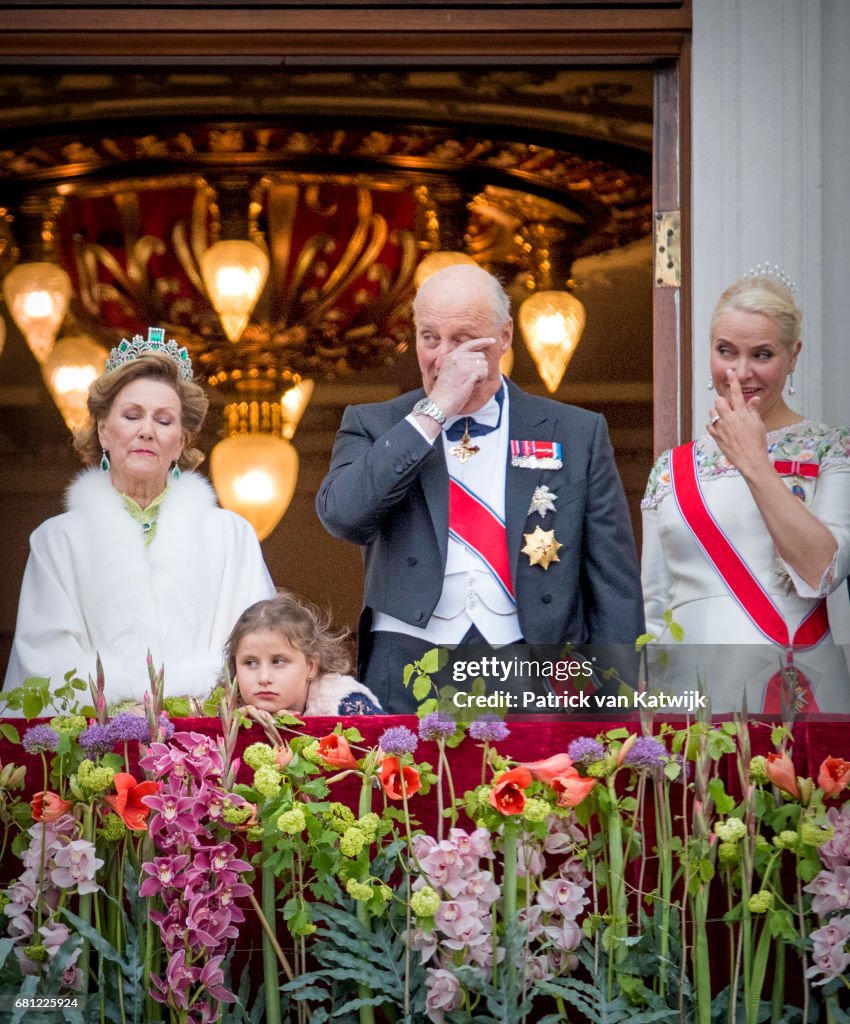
(53, 33)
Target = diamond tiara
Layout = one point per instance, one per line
(773, 273)
(127, 351)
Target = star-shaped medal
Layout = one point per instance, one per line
(541, 547)
(543, 501)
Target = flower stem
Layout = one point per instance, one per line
(367, 1013)
(270, 971)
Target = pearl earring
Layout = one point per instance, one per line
(791, 389)
(710, 385)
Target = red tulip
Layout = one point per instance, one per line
(47, 806)
(572, 788)
(507, 793)
(834, 775)
(549, 767)
(335, 751)
(393, 777)
(127, 802)
(781, 772)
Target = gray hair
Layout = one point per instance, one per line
(476, 277)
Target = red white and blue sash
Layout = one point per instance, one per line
(475, 525)
(734, 571)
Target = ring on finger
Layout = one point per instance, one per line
(714, 419)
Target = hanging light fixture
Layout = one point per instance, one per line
(234, 274)
(551, 324)
(254, 469)
(68, 373)
(292, 405)
(37, 295)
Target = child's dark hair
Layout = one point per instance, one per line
(306, 627)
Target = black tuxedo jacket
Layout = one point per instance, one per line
(387, 490)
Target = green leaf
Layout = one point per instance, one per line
(421, 688)
(10, 733)
(432, 661)
(677, 632)
(643, 640)
(722, 801)
(177, 707)
(33, 705)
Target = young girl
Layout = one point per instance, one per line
(286, 658)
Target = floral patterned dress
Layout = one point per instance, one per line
(678, 577)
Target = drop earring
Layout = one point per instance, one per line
(710, 385)
(104, 461)
(175, 472)
(791, 389)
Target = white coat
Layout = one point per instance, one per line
(92, 586)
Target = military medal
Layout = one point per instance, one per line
(541, 547)
(465, 449)
(799, 470)
(542, 502)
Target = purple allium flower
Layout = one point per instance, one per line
(646, 753)
(127, 726)
(166, 727)
(39, 739)
(97, 739)
(585, 750)
(398, 740)
(488, 727)
(436, 726)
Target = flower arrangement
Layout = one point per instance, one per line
(581, 886)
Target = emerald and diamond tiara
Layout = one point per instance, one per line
(127, 351)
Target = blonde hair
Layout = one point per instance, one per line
(304, 625)
(755, 293)
(154, 366)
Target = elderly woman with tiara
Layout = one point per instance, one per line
(747, 529)
(143, 560)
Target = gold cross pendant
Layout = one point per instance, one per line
(465, 449)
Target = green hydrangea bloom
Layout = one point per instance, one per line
(814, 835)
(236, 815)
(94, 778)
(535, 810)
(4, 899)
(257, 755)
(255, 834)
(68, 725)
(786, 840)
(310, 752)
(340, 817)
(36, 952)
(760, 902)
(731, 830)
(358, 890)
(729, 854)
(368, 825)
(292, 822)
(758, 769)
(352, 842)
(425, 902)
(113, 828)
(267, 780)
(597, 769)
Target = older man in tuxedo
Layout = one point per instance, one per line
(485, 515)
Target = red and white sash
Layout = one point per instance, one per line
(475, 525)
(737, 575)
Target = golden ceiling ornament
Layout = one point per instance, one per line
(541, 547)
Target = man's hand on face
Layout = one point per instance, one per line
(460, 372)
